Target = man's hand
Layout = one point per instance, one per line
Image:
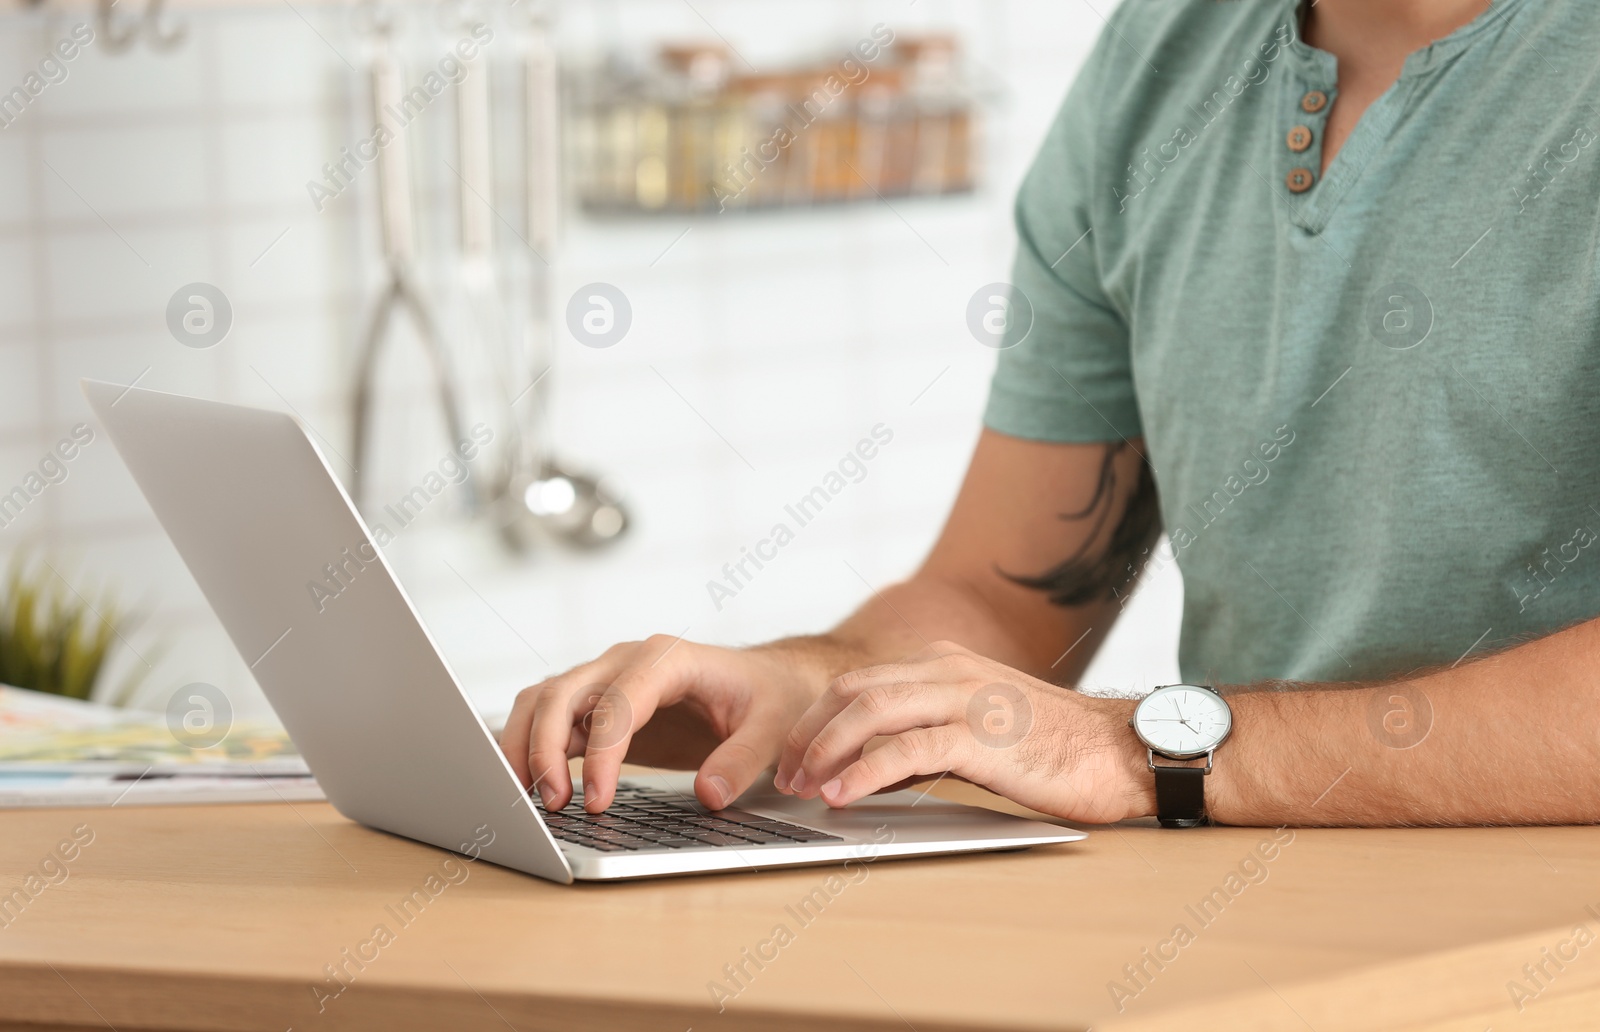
(748, 698)
(949, 709)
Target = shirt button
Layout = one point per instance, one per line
(1313, 102)
(1299, 180)
(1299, 138)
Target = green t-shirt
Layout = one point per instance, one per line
(1369, 398)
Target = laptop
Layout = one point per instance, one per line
(364, 692)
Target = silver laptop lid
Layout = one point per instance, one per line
(267, 532)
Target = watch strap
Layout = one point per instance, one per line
(1180, 796)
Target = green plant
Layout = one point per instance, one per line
(51, 638)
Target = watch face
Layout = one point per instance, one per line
(1182, 721)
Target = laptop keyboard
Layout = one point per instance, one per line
(642, 819)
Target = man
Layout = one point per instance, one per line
(1314, 289)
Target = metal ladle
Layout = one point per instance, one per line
(542, 497)
(574, 506)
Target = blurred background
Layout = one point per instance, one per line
(677, 258)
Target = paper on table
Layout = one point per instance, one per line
(46, 733)
(20, 790)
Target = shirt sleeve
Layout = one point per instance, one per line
(1065, 374)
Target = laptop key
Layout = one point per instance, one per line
(717, 838)
(742, 817)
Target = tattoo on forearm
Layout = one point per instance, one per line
(1098, 570)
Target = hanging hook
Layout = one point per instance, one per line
(117, 36)
(113, 40)
(161, 37)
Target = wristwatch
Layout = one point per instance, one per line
(1181, 722)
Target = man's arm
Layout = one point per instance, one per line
(1513, 738)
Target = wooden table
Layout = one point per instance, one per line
(229, 917)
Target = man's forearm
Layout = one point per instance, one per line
(1512, 738)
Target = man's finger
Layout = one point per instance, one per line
(556, 707)
(519, 727)
(610, 725)
(735, 764)
(928, 750)
(661, 676)
(885, 710)
(840, 693)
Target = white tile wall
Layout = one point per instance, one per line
(791, 333)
